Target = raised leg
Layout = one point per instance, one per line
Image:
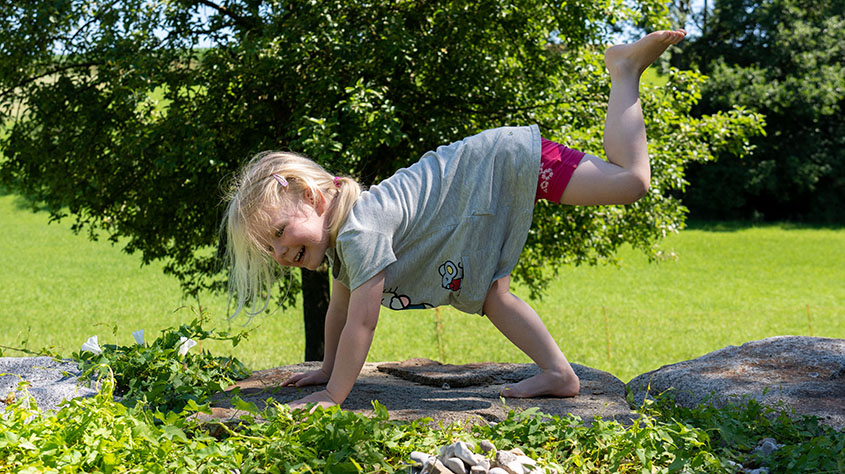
(522, 326)
(625, 178)
(624, 129)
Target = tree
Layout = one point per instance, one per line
(784, 59)
(363, 89)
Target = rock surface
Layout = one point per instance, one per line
(50, 381)
(423, 388)
(804, 373)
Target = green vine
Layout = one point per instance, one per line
(158, 375)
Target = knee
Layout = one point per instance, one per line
(640, 189)
(636, 186)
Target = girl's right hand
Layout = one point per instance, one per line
(314, 377)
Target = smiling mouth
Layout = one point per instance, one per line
(299, 255)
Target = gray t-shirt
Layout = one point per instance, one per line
(447, 227)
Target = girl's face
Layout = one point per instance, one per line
(298, 236)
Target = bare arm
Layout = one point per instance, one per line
(357, 335)
(335, 320)
(347, 343)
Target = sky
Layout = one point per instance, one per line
(625, 36)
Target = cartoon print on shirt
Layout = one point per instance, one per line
(452, 275)
(393, 300)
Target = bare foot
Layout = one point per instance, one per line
(634, 58)
(547, 383)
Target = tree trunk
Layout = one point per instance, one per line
(315, 303)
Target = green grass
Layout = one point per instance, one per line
(728, 285)
(58, 289)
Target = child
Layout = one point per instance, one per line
(447, 230)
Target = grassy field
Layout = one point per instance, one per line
(729, 284)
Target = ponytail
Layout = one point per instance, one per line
(348, 191)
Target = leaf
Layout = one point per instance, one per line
(171, 432)
(27, 444)
(192, 406)
(241, 404)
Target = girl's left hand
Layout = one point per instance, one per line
(321, 398)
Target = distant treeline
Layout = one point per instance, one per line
(786, 60)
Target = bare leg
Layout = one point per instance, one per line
(522, 326)
(626, 148)
(624, 179)
(624, 129)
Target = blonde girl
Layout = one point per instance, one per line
(447, 230)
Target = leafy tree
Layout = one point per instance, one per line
(117, 117)
(786, 60)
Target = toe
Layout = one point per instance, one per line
(509, 392)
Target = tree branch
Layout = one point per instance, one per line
(246, 22)
(39, 76)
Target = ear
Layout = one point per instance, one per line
(318, 201)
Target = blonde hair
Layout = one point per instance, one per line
(254, 196)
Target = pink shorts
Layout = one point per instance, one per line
(557, 163)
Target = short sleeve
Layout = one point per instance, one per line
(363, 254)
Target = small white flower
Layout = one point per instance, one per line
(139, 337)
(91, 345)
(185, 344)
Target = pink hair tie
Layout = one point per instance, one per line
(337, 181)
(281, 180)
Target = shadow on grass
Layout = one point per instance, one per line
(23, 202)
(736, 226)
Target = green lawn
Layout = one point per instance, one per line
(729, 284)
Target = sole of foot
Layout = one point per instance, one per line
(634, 58)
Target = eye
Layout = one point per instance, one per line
(280, 231)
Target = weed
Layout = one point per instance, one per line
(159, 375)
(98, 434)
(738, 428)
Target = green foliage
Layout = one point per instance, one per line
(99, 435)
(736, 429)
(361, 90)
(335, 441)
(648, 445)
(158, 376)
(786, 60)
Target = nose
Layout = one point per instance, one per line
(279, 252)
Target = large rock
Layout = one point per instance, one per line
(421, 388)
(806, 374)
(51, 381)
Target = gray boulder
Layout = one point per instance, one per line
(51, 381)
(802, 373)
(806, 374)
(419, 388)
